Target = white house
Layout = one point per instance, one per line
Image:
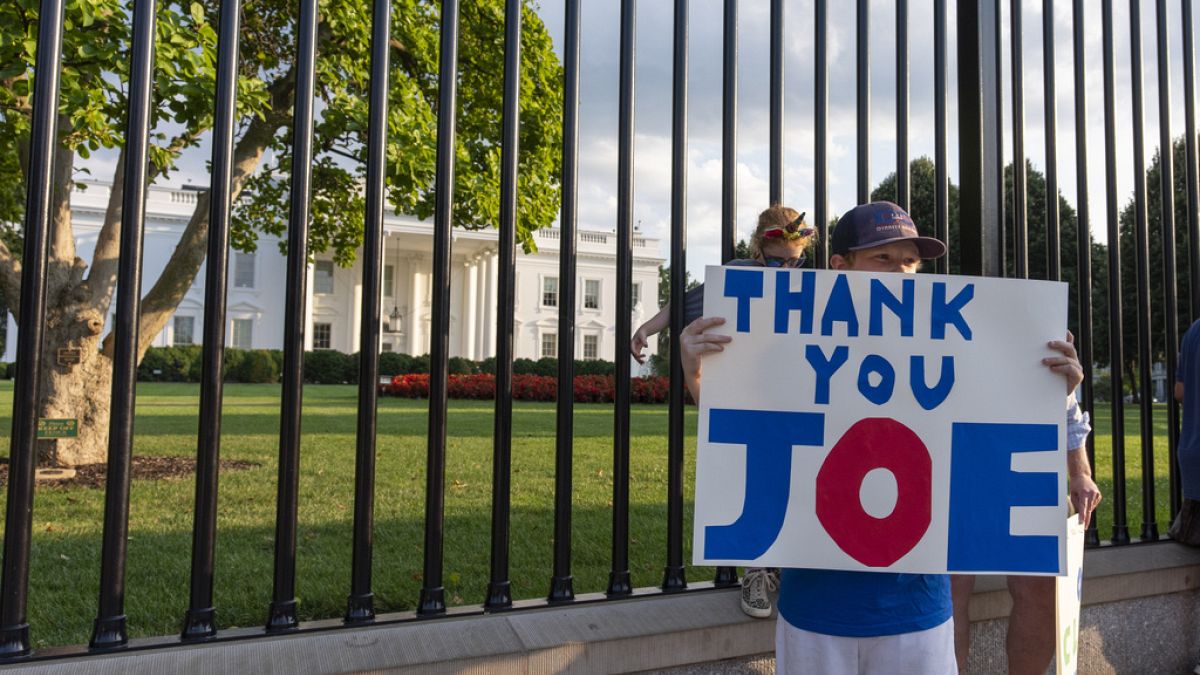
(255, 306)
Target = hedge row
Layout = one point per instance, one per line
(587, 388)
(182, 364)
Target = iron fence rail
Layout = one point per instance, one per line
(1116, 350)
(433, 595)
(360, 605)
(109, 629)
(18, 515)
(200, 619)
(619, 582)
(980, 247)
(1083, 283)
(562, 588)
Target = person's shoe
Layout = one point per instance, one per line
(757, 586)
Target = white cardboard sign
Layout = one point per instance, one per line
(1068, 591)
(889, 422)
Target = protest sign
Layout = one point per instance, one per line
(1068, 591)
(885, 422)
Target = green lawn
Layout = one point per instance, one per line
(1133, 469)
(67, 522)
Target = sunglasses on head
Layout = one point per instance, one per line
(774, 261)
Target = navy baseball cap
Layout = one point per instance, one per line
(879, 223)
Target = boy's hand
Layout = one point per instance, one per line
(695, 343)
(637, 344)
(1066, 365)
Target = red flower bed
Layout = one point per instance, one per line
(587, 388)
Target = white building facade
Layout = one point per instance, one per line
(255, 304)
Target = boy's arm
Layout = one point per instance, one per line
(1084, 493)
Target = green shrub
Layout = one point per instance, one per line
(233, 363)
(461, 366)
(420, 364)
(394, 363)
(548, 367)
(10, 371)
(488, 365)
(276, 356)
(168, 364)
(257, 366)
(595, 367)
(326, 366)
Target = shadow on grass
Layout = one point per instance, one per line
(64, 579)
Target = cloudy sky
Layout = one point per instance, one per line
(599, 92)
(599, 89)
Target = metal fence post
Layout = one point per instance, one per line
(18, 515)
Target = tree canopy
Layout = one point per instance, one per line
(92, 117)
(93, 101)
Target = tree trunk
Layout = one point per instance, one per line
(75, 308)
(79, 391)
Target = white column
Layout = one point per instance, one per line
(493, 283)
(308, 309)
(383, 303)
(482, 326)
(470, 308)
(403, 300)
(10, 342)
(414, 309)
(356, 302)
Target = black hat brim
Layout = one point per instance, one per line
(927, 247)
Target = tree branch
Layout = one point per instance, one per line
(161, 301)
(103, 277)
(62, 238)
(344, 153)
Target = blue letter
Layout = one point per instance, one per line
(839, 307)
(903, 309)
(787, 300)
(942, 313)
(931, 398)
(882, 392)
(825, 368)
(983, 490)
(743, 285)
(768, 436)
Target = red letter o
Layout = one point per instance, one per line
(869, 444)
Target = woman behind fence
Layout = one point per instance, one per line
(781, 239)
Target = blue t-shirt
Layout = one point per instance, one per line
(1188, 373)
(863, 604)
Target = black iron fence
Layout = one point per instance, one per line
(992, 239)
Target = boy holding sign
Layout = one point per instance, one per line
(842, 620)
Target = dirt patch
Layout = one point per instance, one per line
(144, 468)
